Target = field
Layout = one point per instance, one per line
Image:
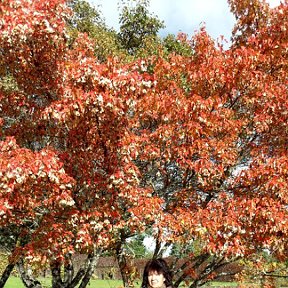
(15, 282)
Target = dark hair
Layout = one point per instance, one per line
(160, 266)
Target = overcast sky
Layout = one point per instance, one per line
(182, 15)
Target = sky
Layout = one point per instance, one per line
(182, 15)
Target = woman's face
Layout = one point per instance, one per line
(155, 279)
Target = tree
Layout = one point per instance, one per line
(66, 123)
(214, 144)
(137, 26)
(192, 145)
(137, 247)
(87, 19)
(179, 44)
(40, 172)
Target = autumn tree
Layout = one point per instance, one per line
(214, 143)
(68, 182)
(191, 144)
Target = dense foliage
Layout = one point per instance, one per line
(189, 142)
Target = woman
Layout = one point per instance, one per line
(157, 275)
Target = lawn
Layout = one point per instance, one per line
(15, 282)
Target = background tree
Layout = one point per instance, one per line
(137, 247)
(137, 25)
(87, 19)
(178, 44)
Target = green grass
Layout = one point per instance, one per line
(15, 282)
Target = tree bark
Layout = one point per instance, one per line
(27, 279)
(93, 259)
(123, 266)
(56, 275)
(6, 274)
(85, 272)
(68, 271)
(157, 251)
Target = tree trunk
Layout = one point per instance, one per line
(78, 277)
(85, 272)
(158, 252)
(27, 279)
(56, 275)
(68, 271)
(93, 259)
(124, 267)
(5, 275)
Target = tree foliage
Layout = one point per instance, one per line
(189, 142)
(137, 25)
(89, 20)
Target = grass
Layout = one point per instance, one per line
(15, 282)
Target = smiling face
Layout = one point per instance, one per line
(155, 279)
